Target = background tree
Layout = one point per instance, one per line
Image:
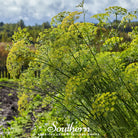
(21, 24)
(45, 25)
(1, 23)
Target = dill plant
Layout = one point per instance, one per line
(82, 80)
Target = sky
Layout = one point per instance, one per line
(39, 11)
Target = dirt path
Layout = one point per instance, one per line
(8, 103)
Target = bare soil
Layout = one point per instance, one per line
(8, 102)
(9, 107)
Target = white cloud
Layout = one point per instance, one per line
(40, 9)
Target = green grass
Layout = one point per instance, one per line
(6, 79)
(10, 83)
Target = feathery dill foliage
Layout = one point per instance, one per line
(89, 76)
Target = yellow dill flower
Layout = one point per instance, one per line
(67, 21)
(112, 109)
